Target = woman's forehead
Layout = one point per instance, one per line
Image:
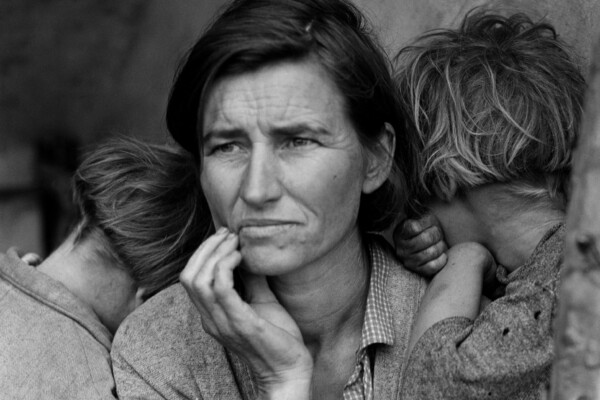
(283, 93)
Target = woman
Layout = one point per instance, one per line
(291, 112)
(136, 229)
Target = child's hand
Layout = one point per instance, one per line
(32, 259)
(420, 245)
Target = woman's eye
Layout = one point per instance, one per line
(300, 142)
(224, 148)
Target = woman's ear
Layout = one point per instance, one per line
(380, 160)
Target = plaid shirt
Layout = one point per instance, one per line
(377, 329)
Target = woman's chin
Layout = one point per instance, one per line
(266, 261)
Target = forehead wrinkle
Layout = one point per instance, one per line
(250, 100)
(296, 111)
(224, 102)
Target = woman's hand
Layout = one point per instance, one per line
(420, 245)
(260, 331)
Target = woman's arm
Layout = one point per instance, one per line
(260, 330)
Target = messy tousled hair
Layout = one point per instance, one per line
(140, 203)
(497, 100)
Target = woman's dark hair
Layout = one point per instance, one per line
(141, 203)
(250, 34)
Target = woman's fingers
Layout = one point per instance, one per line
(201, 255)
(257, 288)
(261, 331)
(198, 277)
(234, 309)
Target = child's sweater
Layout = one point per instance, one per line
(507, 351)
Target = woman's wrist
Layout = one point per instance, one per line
(298, 389)
(292, 385)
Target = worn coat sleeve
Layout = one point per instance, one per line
(143, 367)
(506, 352)
(162, 352)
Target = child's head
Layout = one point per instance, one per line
(497, 100)
(141, 205)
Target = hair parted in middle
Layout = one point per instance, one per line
(497, 100)
(250, 34)
(141, 204)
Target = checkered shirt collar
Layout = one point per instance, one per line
(378, 322)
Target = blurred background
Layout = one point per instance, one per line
(74, 72)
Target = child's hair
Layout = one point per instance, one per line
(141, 203)
(497, 100)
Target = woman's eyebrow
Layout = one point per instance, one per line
(223, 134)
(295, 129)
(280, 131)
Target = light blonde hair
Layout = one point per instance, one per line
(497, 100)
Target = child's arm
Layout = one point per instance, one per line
(456, 290)
(505, 352)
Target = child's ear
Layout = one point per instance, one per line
(380, 160)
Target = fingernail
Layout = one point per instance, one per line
(222, 230)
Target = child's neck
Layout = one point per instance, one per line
(106, 289)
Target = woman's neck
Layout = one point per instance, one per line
(327, 298)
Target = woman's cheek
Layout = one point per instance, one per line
(217, 199)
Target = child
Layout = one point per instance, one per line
(140, 220)
(496, 105)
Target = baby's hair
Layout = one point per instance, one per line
(497, 100)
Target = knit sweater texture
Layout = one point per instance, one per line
(52, 345)
(161, 350)
(507, 351)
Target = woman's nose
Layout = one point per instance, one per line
(261, 179)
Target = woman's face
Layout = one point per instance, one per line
(282, 165)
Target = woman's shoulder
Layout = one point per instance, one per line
(162, 351)
(399, 278)
(403, 288)
(169, 304)
(168, 317)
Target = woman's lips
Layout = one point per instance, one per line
(264, 229)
